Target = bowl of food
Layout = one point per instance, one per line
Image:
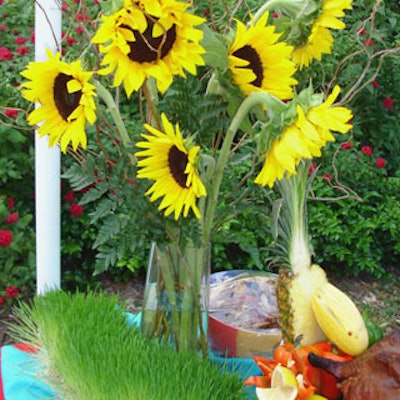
(243, 314)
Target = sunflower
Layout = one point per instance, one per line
(66, 100)
(150, 38)
(259, 63)
(304, 138)
(170, 161)
(320, 39)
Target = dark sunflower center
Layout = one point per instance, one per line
(177, 161)
(249, 54)
(146, 48)
(65, 102)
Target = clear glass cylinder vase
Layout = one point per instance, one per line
(176, 297)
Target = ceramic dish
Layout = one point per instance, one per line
(243, 314)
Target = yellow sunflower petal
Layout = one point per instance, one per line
(167, 161)
(172, 43)
(320, 40)
(259, 62)
(304, 138)
(66, 100)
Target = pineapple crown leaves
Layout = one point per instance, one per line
(289, 219)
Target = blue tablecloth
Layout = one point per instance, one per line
(18, 378)
(19, 370)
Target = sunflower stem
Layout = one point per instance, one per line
(247, 104)
(209, 166)
(152, 100)
(105, 95)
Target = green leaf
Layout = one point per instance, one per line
(216, 52)
(78, 177)
(111, 6)
(109, 230)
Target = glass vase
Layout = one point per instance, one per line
(176, 297)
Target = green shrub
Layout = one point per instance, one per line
(358, 232)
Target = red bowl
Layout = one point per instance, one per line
(230, 339)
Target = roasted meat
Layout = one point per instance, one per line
(373, 375)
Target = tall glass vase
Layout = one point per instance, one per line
(176, 297)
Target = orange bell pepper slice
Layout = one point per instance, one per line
(258, 380)
(283, 353)
(340, 356)
(306, 389)
(323, 346)
(310, 373)
(266, 365)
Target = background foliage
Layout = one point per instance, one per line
(101, 228)
(358, 232)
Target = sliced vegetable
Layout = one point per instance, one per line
(283, 353)
(305, 389)
(259, 381)
(266, 365)
(293, 361)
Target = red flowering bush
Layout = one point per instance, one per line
(69, 197)
(360, 204)
(5, 54)
(8, 296)
(76, 210)
(12, 218)
(17, 247)
(388, 102)
(17, 152)
(366, 150)
(380, 162)
(22, 50)
(347, 145)
(360, 208)
(17, 236)
(12, 292)
(6, 238)
(11, 113)
(20, 40)
(78, 236)
(376, 106)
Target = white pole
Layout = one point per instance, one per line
(47, 163)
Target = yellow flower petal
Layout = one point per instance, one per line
(320, 40)
(304, 138)
(171, 45)
(259, 62)
(172, 166)
(66, 100)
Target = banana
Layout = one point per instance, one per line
(340, 319)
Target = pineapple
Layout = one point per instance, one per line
(310, 308)
(298, 279)
(294, 293)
